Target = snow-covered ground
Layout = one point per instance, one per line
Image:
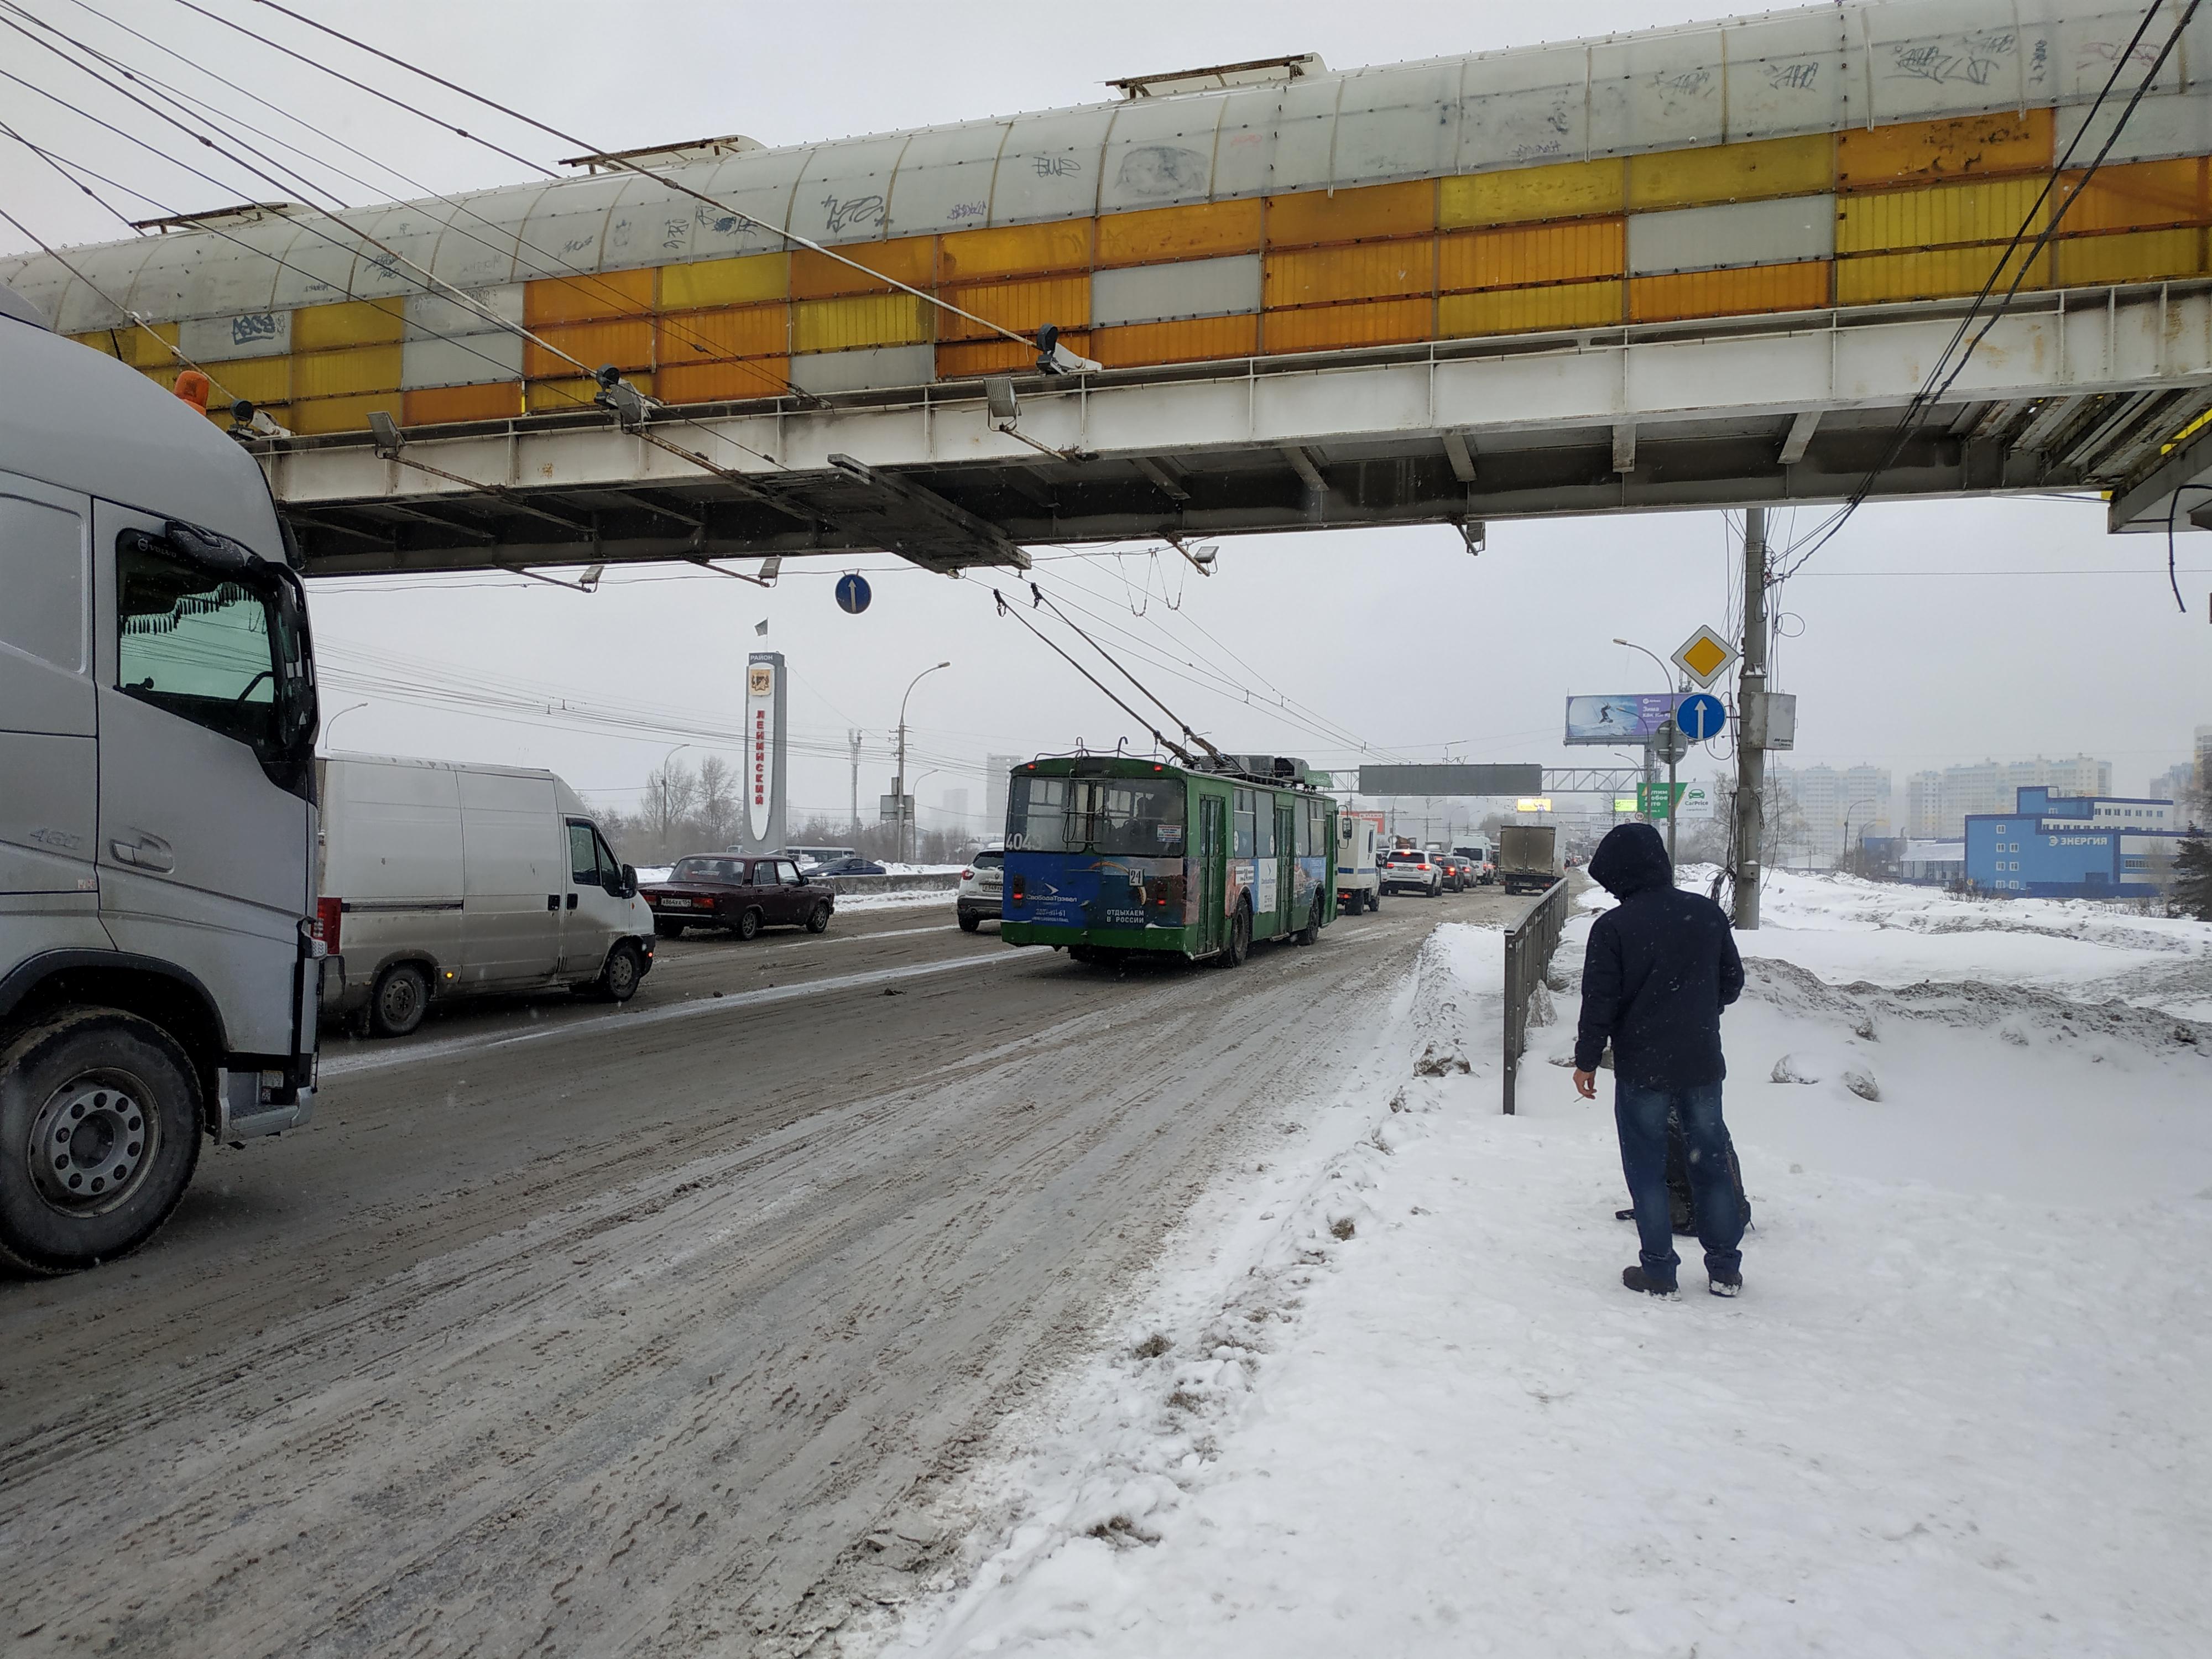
(1390, 1397)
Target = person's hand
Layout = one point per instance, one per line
(1586, 1084)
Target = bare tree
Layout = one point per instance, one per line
(717, 800)
(670, 791)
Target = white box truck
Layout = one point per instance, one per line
(1358, 884)
(441, 880)
(158, 961)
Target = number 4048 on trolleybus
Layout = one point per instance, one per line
(1109, 857)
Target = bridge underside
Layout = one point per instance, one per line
(2082, 390)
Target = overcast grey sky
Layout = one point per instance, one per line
(1923, 635)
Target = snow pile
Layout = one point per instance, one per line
(1845, 928)
(1959, 1408)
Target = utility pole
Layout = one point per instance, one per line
(853, 738)
(1751, 721)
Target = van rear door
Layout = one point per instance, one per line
(514, 871)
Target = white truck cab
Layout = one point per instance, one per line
(159, 967)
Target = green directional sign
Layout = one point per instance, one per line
(1653, 800)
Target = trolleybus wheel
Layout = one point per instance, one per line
(1240, 939)
(1311, 931)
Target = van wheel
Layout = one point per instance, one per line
(817, 918)
(748, 925)
(100, 1130)
(618, 979)
(667, 929)
(401, 996)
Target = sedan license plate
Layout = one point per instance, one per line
(674, 904)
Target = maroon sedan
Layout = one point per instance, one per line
(739, 895)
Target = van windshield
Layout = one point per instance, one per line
(1128, 816)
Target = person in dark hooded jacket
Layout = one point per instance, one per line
(1660, 966)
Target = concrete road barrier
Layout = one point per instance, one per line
(944, 881)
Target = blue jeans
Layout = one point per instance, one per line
(1641, 1116)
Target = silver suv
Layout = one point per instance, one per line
(982, 887)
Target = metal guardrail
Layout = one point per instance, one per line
(1528, 946)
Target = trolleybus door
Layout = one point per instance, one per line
(1286, 863)
(1213, 869)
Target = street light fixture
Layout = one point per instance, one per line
(330, 724)
(898, 784)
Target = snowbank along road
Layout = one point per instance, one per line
(581, 1331)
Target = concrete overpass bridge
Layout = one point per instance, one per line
(1687, 268)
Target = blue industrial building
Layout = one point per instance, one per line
(2071, 846)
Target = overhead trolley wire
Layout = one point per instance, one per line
(1945, 373)
(592, 283)
(627, 165)
(747, 486)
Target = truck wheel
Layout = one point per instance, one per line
(748, 925)
(100, 1130)
(395, 1007)
(817, 918)
(970, 923)
(618, 979)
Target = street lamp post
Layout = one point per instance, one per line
(1673, 755)
(898, 783)
(329, 725)
(1848, 811)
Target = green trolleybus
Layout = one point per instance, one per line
(1108, 857)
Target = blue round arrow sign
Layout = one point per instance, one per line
(1700, 717)
(853, 594)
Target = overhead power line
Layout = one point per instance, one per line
(1945, 371)
(610, 160)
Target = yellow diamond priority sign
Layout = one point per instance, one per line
(1704, 656)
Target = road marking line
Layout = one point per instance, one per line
(352, 1065)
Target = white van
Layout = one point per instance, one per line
(1358, 884)
(441, 880)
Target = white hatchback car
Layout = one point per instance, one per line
(983, 888)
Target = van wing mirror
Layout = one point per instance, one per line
(628, 885)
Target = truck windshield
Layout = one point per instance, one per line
(1128, 816)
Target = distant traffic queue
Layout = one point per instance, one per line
(1108, 857)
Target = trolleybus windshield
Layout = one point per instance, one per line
(1124, 817)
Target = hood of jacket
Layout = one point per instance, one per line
(1630, 859)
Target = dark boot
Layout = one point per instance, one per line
(1634, 1278)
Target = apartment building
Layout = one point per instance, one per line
(1938, 804)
